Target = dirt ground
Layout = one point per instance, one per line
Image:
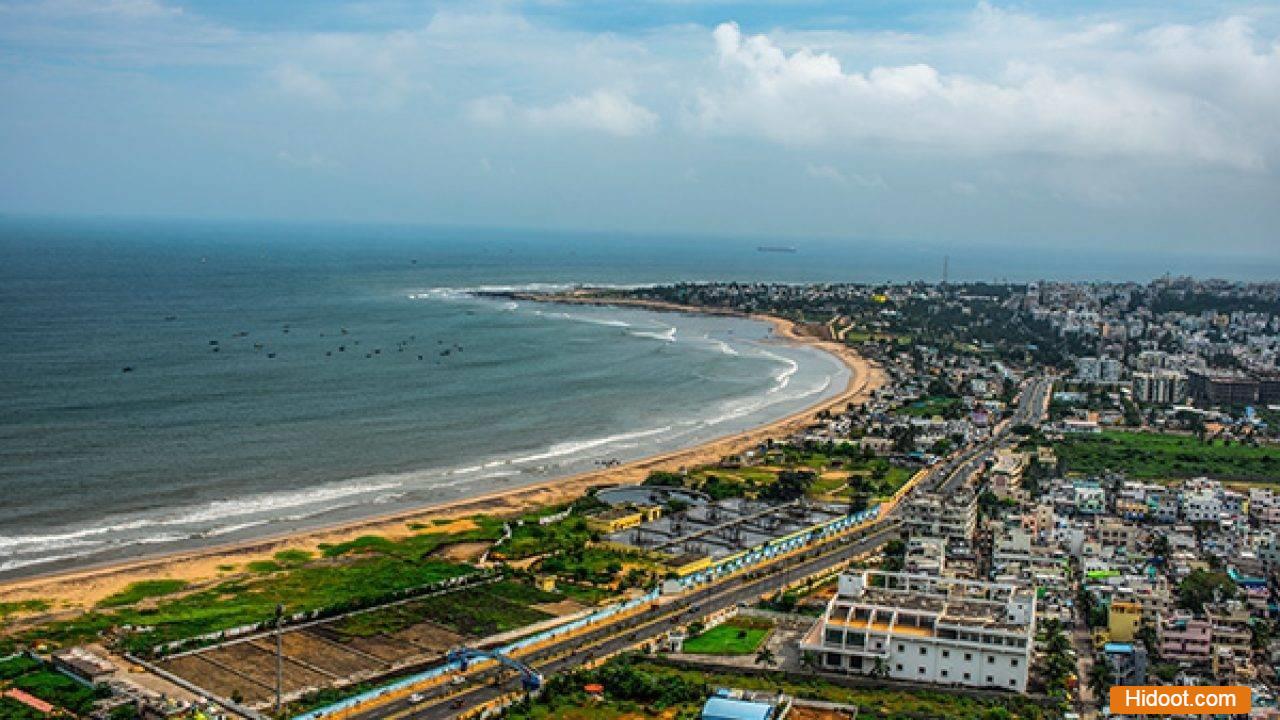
(462, 552)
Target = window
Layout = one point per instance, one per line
(946, 653)
(966, 676)
(1013, 662)
(990, 679)
(1012, 682)
(991, 659)
(901, 647)
(921, 670)
(898, 667)
(944, 673)
(968, 656)
(924, 651)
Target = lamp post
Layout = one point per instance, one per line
(279, 658)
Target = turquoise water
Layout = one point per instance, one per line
(166, 385)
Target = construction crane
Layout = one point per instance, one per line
(531, 679)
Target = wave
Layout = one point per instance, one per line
(723, 346)
(669, 335)
(203, 518)
(18, 564)
(568, 448)
(782, 378)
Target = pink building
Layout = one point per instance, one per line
(1186, 638)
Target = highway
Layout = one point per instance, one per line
(1031, 406)
(647, 625)
(653, 622)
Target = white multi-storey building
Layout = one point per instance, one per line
(927, 629)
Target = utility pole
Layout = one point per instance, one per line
(279, 659)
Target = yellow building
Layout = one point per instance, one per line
(1123, 620)
(623, 518)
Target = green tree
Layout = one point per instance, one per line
(1203, 586)
(1100, 677)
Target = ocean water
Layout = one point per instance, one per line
(167, 385)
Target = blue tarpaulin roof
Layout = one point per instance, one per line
(718, 708)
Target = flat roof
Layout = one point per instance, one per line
(718, 708)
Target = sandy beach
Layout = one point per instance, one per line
(84, 587)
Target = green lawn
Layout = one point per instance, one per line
(738, 636)
(143, 590)
(8, 608)
(928, 407)
(56, 688)
(532, 539)
(1151, 456)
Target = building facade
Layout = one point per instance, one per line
(927, 629)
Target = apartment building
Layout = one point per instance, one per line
(1185, 638)
(950, 517)
(1264, 507)
(1159, 387)
(1201, 506)
(927, 629)
(1123, 620)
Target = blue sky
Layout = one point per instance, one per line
(1084, 124)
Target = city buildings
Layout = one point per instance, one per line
(927, 629)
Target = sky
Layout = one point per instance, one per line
(1132, 124)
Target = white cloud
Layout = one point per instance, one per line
(833, 174)
(803, 97)
(297, 82)
(605, 111)
(825, 172)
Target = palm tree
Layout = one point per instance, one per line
(809, 661)
(1099, 678)
(766, 657)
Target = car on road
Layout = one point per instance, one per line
(417, 698)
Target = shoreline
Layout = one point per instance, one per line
(83, 587)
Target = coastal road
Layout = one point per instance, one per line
(648, 625)
(654, 622)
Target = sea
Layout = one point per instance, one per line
(166, 385)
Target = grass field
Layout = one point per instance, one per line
(1151, 456)
(56, 688)
(928, 407)
(363, 579)
(8, 608)
(737, 636)
(142, 590)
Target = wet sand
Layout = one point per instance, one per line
(82, 588)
